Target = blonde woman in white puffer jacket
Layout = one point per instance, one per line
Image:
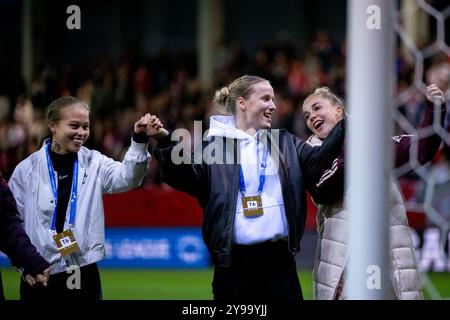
(322, 110)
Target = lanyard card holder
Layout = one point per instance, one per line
(252, 206)
(66, 243)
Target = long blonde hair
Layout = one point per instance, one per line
(326, 93)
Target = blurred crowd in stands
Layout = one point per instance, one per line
(166, 84)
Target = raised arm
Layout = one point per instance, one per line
(427, 146)
(315, 161)
(182, 174)
(332, 179)
(122, 176)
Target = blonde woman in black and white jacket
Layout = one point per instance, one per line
(322, 110)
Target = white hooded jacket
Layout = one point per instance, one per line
(97, 175)
(272, 224)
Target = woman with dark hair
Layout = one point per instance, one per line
(59, 189)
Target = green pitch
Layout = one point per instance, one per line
(181, 284)
(138, 284)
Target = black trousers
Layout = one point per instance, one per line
(263, 272)
(58, 288)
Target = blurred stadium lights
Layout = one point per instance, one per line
(40, 48)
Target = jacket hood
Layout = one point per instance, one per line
(225, 126)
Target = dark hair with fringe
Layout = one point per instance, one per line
(54, 112)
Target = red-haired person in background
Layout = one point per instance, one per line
(322, 110)
(15, 243)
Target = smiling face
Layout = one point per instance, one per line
(71, 131)
(321, 116)
(256, 112)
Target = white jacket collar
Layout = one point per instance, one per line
(81, 155)
(225, 126)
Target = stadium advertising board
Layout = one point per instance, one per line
(151, 248)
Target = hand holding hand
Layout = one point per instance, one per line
(41, 279)
(148, 124)
(30, 280)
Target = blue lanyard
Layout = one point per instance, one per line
(73, 197)
(262, 172)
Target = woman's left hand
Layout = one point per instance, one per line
(148, 124)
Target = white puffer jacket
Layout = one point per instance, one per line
(331, 253)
